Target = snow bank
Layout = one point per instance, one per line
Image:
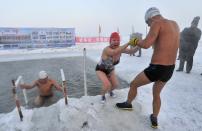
(85, 113)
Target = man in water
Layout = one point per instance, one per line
(44, 84)
(164, 36)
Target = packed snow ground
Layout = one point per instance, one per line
(181, 99)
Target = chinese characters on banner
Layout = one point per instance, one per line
(20, 38)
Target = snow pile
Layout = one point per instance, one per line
(85, 113)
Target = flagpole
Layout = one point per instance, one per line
(84, 72)
(99, 32)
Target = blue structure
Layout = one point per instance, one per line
(36, 37)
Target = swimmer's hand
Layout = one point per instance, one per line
(133, 41)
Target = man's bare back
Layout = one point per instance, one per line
(167, 44)
(164, 36)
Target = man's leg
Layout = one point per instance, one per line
(181, 65)
(131, 54)
(157, 87)
(189, 64)
(140, 79)
(140, 52)
(39, 101)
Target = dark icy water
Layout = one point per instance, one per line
(73, 69)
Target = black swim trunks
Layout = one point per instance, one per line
(46, 97)
(159, 72)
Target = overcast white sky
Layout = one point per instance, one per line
(86, 15)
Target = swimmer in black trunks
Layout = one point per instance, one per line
(164, 36)
(111, 57)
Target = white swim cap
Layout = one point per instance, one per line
(151, 12)
(43, 75)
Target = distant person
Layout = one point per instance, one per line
(44, 84)
(105, 69)
(132, 54)
(139, 36)
(188, 44)
(164, 35)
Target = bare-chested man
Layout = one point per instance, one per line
(164, 36)
(44, 84)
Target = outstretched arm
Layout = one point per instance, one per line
(28, 86)
(151, 37)
(132, 50)
(120, 49)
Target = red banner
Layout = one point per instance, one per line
(91, 39)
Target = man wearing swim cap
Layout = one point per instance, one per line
(44, 84)
(164, 37)
(105, 69)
